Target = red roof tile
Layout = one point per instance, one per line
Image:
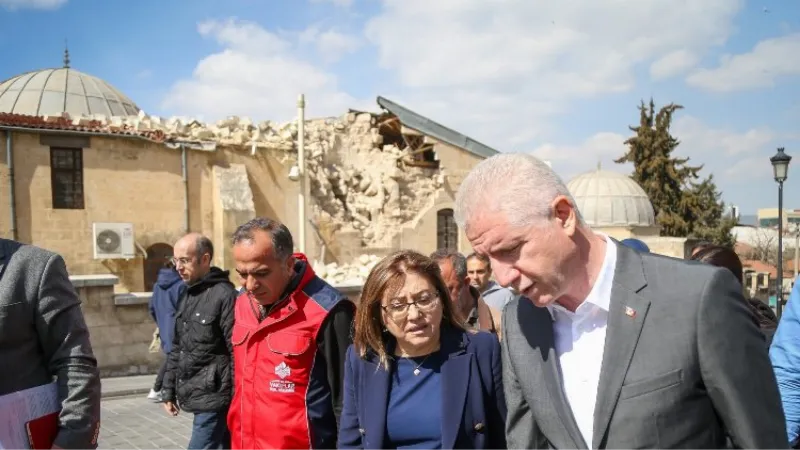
(66, 124)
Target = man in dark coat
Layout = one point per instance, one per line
(44, 338)
(167, 292)
(199, 367)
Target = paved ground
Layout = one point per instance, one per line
(135, 422)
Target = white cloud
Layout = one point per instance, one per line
(31, 4)
(339, 3)
(761, 67)
(672, 64)
(331, 45)
(727, 153)
(697, 138)
(504, 68)
(731, 155)
(599, 149)
(256, 74)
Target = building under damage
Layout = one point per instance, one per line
(91, 176)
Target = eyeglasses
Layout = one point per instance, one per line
(181, 261)
(426, 302)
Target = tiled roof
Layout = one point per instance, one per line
(56, 123)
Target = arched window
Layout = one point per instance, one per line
(446, 230)
(157, 256)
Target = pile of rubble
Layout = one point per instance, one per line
(357, 183)
(352, 274)
(233, 131)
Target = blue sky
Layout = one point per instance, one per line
(559, 79)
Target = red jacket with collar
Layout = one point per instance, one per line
(288, 369)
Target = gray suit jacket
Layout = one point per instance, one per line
(687, 368)
(43, 335)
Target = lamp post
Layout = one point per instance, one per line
(780, 168)
(301, 166)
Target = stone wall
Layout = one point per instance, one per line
(120, 327)
(366, 198)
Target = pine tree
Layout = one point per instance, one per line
(707, 213)
(683, 206)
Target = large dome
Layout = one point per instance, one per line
(611, 199)
(52, 92)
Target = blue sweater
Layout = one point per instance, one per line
(167, 292)
(414, 412)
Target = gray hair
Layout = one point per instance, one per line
(458, 261)
(517, 184)
(282, 242)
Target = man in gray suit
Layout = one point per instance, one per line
(43, 335)
(615, 348)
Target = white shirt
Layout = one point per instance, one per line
(580, 342)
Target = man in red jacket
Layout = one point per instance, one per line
(290, 338)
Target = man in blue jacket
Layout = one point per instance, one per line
(167, 293)
(785, 355)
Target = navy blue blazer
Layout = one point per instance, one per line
(473, 404)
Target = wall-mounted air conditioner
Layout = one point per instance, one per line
(112, 240)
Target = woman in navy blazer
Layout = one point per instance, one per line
(414, 377)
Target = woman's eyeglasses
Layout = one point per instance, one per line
(425, 302)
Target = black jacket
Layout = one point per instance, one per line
(200, 366)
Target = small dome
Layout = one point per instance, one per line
(52, 92)
(611, 199)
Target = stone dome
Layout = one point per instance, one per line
(52, 92)
(611, 199)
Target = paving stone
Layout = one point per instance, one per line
(137, 422)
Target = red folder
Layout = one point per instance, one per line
(42, 431)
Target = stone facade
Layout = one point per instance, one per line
(120, 327)
(368, 196)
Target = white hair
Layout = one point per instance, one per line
(517, 184)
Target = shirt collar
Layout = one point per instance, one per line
(600, 295)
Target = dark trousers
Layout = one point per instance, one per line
(210, 431)
(160, 376)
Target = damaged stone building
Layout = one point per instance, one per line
(80, 158)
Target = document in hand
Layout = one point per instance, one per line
(29, 418)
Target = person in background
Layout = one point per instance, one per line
(167, 292)
(635, 244)
(468, 302)
(414, 377)
(725, 257)
(612, 348)
(699, 246)
(199, 372)
(479, 271)
(43, 336)
(290, 338)
(785, 356)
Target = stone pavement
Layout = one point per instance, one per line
(130, 420)
(125, 386)
(136, 422)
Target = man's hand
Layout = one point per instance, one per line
(171, 408)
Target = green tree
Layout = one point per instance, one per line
(706, 212)
(683, 206)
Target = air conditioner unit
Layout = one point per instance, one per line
(112, 240)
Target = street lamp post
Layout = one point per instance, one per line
(780, 168)
(301, 165)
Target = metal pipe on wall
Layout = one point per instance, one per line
(185, 174)
(301, 166)
(12, 193)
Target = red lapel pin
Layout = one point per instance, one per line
(630, 312)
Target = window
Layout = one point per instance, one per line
(66, 177)
(768, 222)
(446, 230)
